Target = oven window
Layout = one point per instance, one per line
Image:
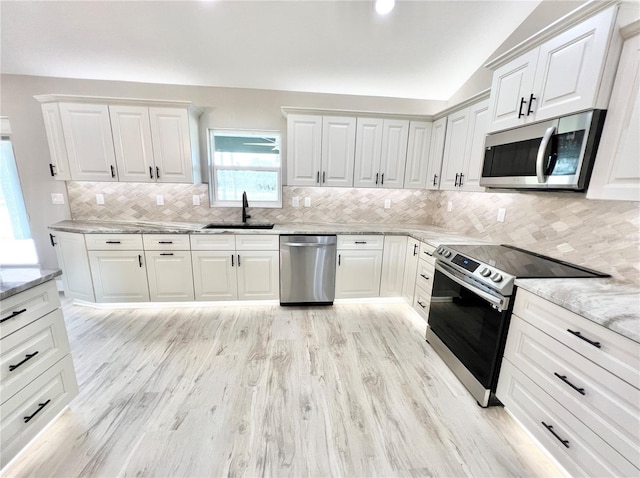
(468, 325)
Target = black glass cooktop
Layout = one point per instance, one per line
(523, 264)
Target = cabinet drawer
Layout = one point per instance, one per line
(30, 351)
(421, 302)
(108, 242)
(360, 241)
(607, 404)
(25, 307)
(424, 277)
(585, 453)
(426, 253)
(615, 353)
(257, 242)
(41, 400)
(213, 242)
(161, 242)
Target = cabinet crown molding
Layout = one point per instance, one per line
(564, 23)
(287, 110)
(483, 95)
(51, 98)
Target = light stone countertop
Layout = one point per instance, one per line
(19, 279)
(606, 302)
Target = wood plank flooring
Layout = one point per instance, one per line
(348, 390)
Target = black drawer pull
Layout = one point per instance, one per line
(415, 249)
(139, 260)
(231, 260)
(339, 258)
(40, 407)
(564, 379)
(361, 242)
(424, 276)
(114, 242)
(550, 428)
(166, 253)
(27, 357)
(51, 239)
(580, 336)
(165, 242)
(427, 253)
(14, 314)
(421, 304)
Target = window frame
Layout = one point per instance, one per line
(213, 193)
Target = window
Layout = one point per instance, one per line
(245, 161)
(16, 246)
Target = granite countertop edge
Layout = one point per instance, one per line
(16, 280)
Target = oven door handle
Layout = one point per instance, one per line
(500, 303)
(541, 150)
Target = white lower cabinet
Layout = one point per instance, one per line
(71, 252)
(214, 275)
(393, 266)
(410, 267)
(119, 276)
(170, 275)
(358, 273)
(258, 275)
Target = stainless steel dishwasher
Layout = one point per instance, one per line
(307, 269)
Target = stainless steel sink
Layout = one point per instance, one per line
(237, 225)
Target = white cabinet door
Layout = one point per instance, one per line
(169, 274)
(87, 136)
(415, 175)
(410, 268)
(358, 273)
(132, 142)
(171, 144)
(474, 151)
(258, 275)
(616, 174)
(215, 275)
(436, 151)
(338, 150)
(71, 252)
(119, 276)
(395, 134)
(454, 149)
(511, 88)
(393, 266)
(59, 165)
(570, 67)
(368, 152)
(304, 150)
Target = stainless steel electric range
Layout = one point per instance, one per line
(471, 304)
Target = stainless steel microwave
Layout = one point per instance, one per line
(554, 154)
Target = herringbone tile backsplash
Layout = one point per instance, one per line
(603, 235)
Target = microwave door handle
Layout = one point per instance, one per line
(500, 303)
(540, 169)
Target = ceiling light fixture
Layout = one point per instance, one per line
(384, 6)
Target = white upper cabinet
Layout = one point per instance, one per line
(59, 165)
(368, 152)
(132, 141)
(338, 149)
(565, 74)
(87, 136)
(478, 123)
(304, 150)
(171, 144)
(415, 175)
(436, 151)
(616, 173)
(454, 149)
(395, 135)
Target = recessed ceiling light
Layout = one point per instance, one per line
(384, 6)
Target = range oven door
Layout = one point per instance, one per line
(467, 326)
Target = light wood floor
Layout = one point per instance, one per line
(349, 390)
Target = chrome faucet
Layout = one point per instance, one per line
(245, 205)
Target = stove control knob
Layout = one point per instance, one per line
(439, 251)
(496, 277)
(447, 253)
(485, 272)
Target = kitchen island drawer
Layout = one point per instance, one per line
(108, 242)
(213, 242)
(421, 302)
(27, 306)
(426, 253)
(571, 442)
(360, 241)
(608, 349)
(31, 350)
(166, 242)
(424, 277)
(33, 407)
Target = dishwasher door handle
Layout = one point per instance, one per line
(304, 244)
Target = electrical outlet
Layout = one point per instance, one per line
(295, 201)
(450, 206)
(196, 200)
(159, 199)
(57, 198)
(307, 202)
(100, 199)
(387, 203)
(502, 212)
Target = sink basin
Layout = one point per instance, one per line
(237, 225)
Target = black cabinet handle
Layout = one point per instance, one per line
(165, 242)
(550, 428)
(139, 260)
(580, 336)
(40, 407)
(461, 177)
(564, 379)
(232, 260)
(113, 242)
(424, 276)
(415, 249)
(531, 100)
(166, 253)
(27, 357)
(522, 103)
(51, 237)
(238, 260)
(339, 258)
(323, 179)
(427, 253)
(421, 304)
(435, 179)
(360, 242)
(377, 174)
(318, 177)
(157, 172)
(150, 172)
(382, 179)
(113, 171)
(455, 184)
(13, 315)
(51, 166)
